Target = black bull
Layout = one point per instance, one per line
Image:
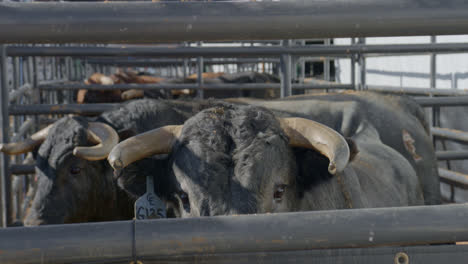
(215, 174)
(71, 189)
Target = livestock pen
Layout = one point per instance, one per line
(402, 235)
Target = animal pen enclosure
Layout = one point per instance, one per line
(43, 78)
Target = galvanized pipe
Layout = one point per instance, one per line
(452, 155)
(112, 242)
(285, 73)
(200, 81)
(453, 178)
(226, 52)
(5, 180)
(21, 169)
(205, 86)
(450, 134)
(62, 22)
(43, 109)
(417, 91)
(442, 101)
(157, 62)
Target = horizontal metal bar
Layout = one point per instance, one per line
(450, 134)
(442, 101)
(453, 178)
(171, 239)
(63, 22)
(158, 62)
(205, 86)
(19, 169)
(219, 52)
(68, 244)
(43, 109)
(17, 93)
(452, 155)
(46, 82)
(429, 254)
(417, 91)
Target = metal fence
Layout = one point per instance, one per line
(32, 94)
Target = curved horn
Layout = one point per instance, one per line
(27, 145)
(100, 133)
(310, 134)
(156, 141)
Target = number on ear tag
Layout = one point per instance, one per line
(149, 206)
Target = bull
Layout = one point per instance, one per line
(237, 159)
(399, 120)
(74, 182)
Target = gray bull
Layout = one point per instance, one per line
(244, 159)
(399, 120)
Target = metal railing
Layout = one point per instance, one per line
(246, 234)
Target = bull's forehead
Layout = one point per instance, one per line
(232, 152)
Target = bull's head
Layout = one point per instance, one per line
(66, 167)
(226, 161)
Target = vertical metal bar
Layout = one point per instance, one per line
(433, 65)
(5, 180)
(362, 67)
(200, 75)
(303, 43)
(326, 64)
(285, 64)
(185, 67)
(353, 66)
(17, 194)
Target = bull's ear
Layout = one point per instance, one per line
(353, 149)
(126, 133)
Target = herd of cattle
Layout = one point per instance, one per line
(232, 156)
(128, 77)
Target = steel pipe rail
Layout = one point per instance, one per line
(450, 134)
(170, 239)
(150, 62)
(442, 101)
(226, 52)
(224, 21)
(43, 109)
(417, 91)
(453, 178)
(46, 82)
(20, 169)
(204, 86)
(452, 155)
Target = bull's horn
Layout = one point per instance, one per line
(27, 145)
(156, 141)
(310, 134)
(105, 137)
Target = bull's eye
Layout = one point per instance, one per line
(279, 191)
(185, 201)
(75, 170)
